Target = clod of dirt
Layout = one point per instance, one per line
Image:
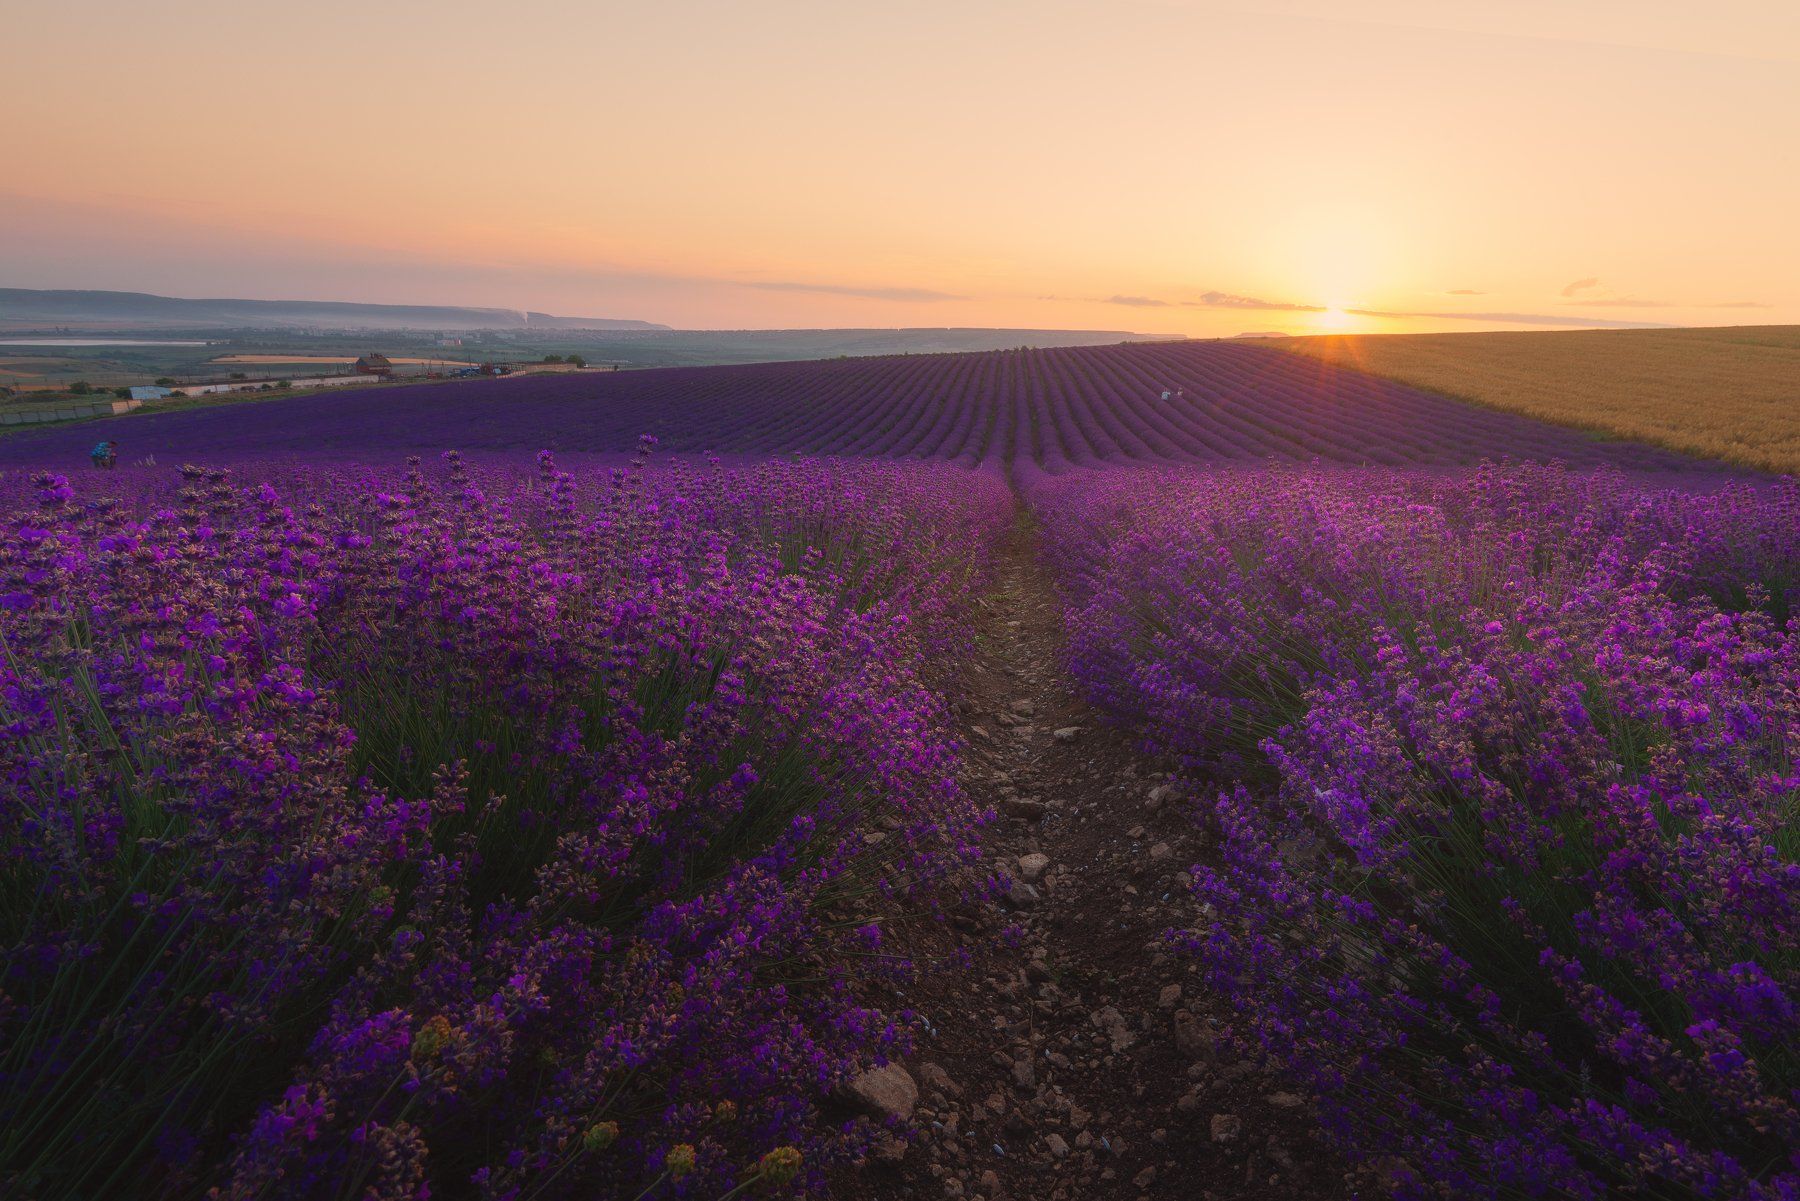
(884, 1092)
(1193, 1038)
(934, 1076)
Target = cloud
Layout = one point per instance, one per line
(920, 295)
(1464, 292)
(1227, 300)
(1138, 302)
(1632, 302)
(1582, 285)
(1622, 302)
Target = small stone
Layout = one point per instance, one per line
(1022, 895)
(1112, 1021)
(1059, 1147)
(1170, 994)
(1030, 811)
(1032, 866)
(934, 1076)
(1160, 852)
(1226, 1127)
(884, 1092)
(1284, 1100)
(1193, 1037)
(1067, 734)
(874, 838)
(1024, 1072)
(1145, 1178)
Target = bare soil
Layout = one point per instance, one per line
(1052, 1067)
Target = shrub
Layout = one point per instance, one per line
(500, 831)
(1512, 887)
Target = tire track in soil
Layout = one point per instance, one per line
(1074, 1059)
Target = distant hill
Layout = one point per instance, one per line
(33, 307)
(626, 342)
(703, 347)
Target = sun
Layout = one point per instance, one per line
(1336, 318)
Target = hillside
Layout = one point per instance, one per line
(30, 306)
(1731, 393)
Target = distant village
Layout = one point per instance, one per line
(368, 369)
(81, 400)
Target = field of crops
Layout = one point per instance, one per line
(1728, 393)
(564, 815)
(1049, 410)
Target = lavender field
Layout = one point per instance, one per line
(658, 786)
(1030, 410)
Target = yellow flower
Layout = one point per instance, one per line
(779, 1167)
(431, 1038)
(725, 1111)
(600, 1136)
(679, 1161)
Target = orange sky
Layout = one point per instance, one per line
(1161, 165)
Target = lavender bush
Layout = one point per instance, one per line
(1509, 879)
(503, 833)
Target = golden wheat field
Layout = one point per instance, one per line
(1731, 393)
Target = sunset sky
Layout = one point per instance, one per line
(1159, 165)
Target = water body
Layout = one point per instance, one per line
(96, 342)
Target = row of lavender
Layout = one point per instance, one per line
(504, 832)
(1502, 772)
(1031, 410)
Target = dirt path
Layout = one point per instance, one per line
(1074, 1058)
